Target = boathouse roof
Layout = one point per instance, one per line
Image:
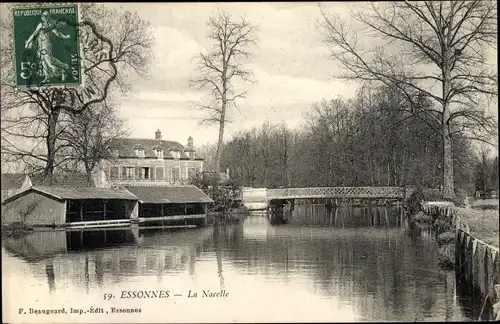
(126, 146)
(169, 195)
(63, 193)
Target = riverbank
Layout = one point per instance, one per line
(482, 223)
(465, 238)
(234, 215)
(438, 219)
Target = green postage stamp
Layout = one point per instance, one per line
(46, 46)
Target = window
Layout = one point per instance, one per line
(176, 173)
(115, 153)
(145, 174)
(160, 173)
(159, 153)
(114, 173)
(128, 173)
(175, 154)
(139, 153)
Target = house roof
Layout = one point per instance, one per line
(11, 181)
(172, 195)
(126, 146)
(63, 193)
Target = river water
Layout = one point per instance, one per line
(352, 266)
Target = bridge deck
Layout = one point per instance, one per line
(338, 192)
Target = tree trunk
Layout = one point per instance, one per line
(388, 173)
(372, 179)
(221, 136)
(88, 174)
(51, 146)
(448, 186)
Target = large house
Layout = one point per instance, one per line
(147, 181)
(149, 162)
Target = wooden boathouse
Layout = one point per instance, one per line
(71, 207)
(179, 205)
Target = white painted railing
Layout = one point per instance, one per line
(337, 192)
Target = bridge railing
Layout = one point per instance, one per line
(337, 192)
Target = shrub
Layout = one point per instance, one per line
(242, 210)
(442, 224)
(423, 218)
(225, 195)
(445, 238)
(432, 194)
(446, 257)
(414, 201)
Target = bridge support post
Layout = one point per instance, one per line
(402, 214)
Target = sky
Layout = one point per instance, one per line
(291, 68)
(290, 65)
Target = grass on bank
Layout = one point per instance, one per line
(483, 224)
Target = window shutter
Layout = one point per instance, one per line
(113, 173)
(137, 173)
(175, 173)
(159, 173)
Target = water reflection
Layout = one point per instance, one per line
(378, 272)
(355, 265)
(344, 215)
(88, 240)
(478, 307)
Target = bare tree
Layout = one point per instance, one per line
(114, 44)
(88, 135)
(335, 146)
(435, 49)
(219, 68)
(28, 210)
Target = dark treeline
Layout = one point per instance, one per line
(486, 172)
(367, 140)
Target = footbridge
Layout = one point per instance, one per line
(287, 203)
(398, 193)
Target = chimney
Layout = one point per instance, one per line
(158, 135)
(190, 142)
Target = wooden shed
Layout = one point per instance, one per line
(85, 206)
(172, 205)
